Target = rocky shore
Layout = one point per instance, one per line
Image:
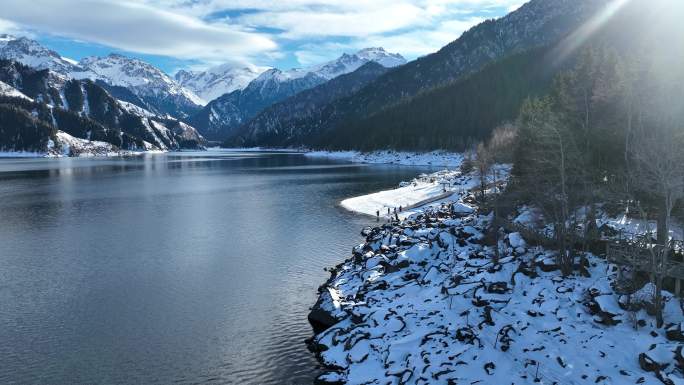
(426, 301)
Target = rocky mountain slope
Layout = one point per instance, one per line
(221, 117)
(81, 109)
(217, 81)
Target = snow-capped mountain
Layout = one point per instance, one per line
(33, 54)
(344, 64)
(219, 119)
(39, 103)
(130, 79)
(226, 78)
(348, 63)
(219, 80)
(157, 90)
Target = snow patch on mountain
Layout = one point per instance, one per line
(7, 90)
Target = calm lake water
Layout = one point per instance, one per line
(171, 268)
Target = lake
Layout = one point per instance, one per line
(171, 268)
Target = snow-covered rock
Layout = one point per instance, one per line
(71, 146)
(451, 314)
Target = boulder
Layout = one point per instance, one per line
(325, 313)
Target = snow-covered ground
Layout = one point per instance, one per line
(424, 301)
(414, 194)
(435, 158)
(627, 226)
(424, 191)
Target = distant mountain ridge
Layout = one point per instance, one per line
(536, 24)
(148, 86)
(220, 118)
(278, 125)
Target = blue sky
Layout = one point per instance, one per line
(195, 34)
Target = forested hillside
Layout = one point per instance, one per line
(449, 117)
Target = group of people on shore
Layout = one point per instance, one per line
(389, 214)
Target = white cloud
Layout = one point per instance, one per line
(213, 31)
(424, 41)
(300, 23)
(136, 27)
(11, 28)
(414, 43)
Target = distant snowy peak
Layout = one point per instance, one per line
(382, 57)
(219, 80)
(277, 75)
(33, 54)
(122, 71)
(347, 63)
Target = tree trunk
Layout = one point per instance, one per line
(663, 224)
(659, 300)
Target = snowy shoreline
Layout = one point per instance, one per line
(434, 158)
(422, 301)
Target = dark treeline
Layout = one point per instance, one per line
(20, 131)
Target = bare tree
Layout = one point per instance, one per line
(500, 146)
(548, 165)
(483, 163)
